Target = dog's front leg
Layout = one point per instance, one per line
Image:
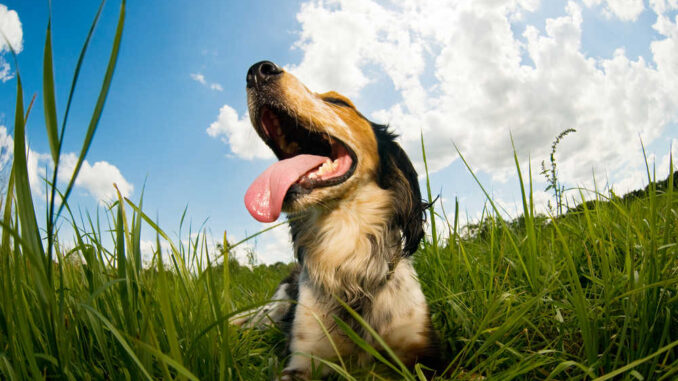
(308, 338)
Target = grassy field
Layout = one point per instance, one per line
(591, 294)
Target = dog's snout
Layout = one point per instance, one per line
(262, 72)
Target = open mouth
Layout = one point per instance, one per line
(307, 160)
(289, 138)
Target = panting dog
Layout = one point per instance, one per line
(354, 207)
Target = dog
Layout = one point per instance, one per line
(356, 216)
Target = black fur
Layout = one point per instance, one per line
(295, 229)
(397, 173)
(292, 281)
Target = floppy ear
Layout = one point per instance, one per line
(396, 173)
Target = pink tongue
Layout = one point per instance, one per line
(265, 196)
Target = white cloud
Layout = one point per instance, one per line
(626, 10)
(148, 248)
(10, 26)
(238, 134)
(463, 73)
(5, 71)
(663, 164)
(483, 89)
(200, 78)
(37, 171)
(275, 246)
(662, 6)
(6, 148)
(96, 179)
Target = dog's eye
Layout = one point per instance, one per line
(337, 101)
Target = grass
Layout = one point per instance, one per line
(591, 294)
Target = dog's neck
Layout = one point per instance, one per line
(350, 249)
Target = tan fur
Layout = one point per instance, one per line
(337, 243)
(399, 314)
(308, 337)
(408, 329)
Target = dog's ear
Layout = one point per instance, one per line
(396, 173)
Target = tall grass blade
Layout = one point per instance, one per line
(528, 217)
(434, 231)
(48, 97)
(119, 337)
(101, 100)
(579, 302)
(168, 360)
(635, 363)
(515, 247)
(25, 208)
(76, 72)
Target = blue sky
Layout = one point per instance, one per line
(468, 74)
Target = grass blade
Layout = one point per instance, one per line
(48, 97)
(101, 100)
(121, 340)
(25, 208)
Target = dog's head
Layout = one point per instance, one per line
(327, 150)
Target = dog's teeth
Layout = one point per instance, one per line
(326, 167)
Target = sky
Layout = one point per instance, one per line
(470, 74)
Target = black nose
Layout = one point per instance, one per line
(262, 72)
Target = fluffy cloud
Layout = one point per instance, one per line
(96, 179)
(10, 26)
(663, 6)
(238, 134)
(198, 77)
(274, 246)
(489, 81)
(467, 73)
(6, 148)
(626, 10)
(37, 171)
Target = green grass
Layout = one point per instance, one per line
(591, 294)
